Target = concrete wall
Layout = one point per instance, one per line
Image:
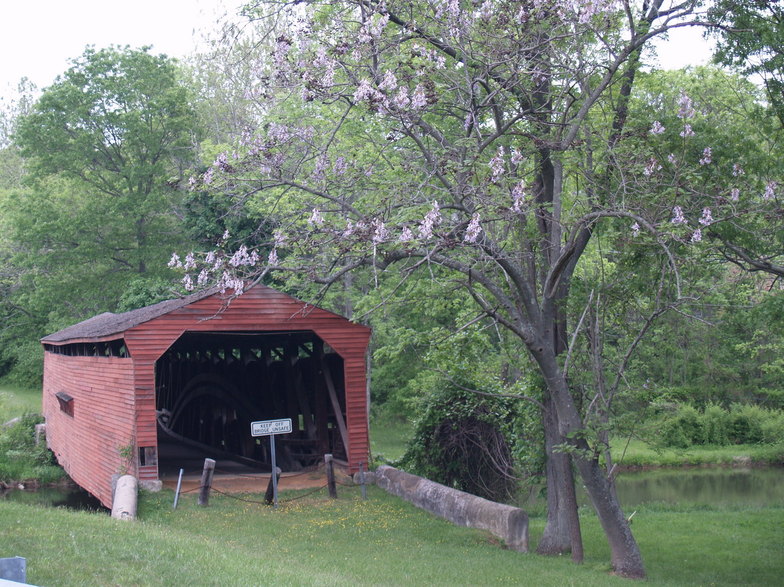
(506, 522)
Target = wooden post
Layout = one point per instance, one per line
(206, 481)
(333, 492)
(269, 496)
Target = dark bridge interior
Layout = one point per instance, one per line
(210, 386)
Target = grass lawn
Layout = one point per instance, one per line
(381, 541)
(312, 540)
(639, 454)
(17, 401)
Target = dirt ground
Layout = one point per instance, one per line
(257, 483)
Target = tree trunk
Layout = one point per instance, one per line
(625, 553)
(562, 530)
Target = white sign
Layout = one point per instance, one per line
(269, 427)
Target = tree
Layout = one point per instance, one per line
(104, 149)
(488, 140)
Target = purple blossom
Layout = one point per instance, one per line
(678, 217)
(401, 99)
(207, 177)
(734, 194)
(316, 219)
(737, 170)
(320, 167)
(431, 220)
(389, 82)
(380, 232)
(418, 98)
(469, 121)
(497, 164)
(706, 219)
(696, 236)
(652, 167)
(187, 282)
(241, 257)
(687, 131)
(707, 156)
(473, 230)
(518, 197)
(175, 261)
(656, 128)
(203, 278)
(272, 258)
(190, 262)
(770, 191)
(516, 156)
(686, 109)
(635, 229)
(340, 166)
(406, 235)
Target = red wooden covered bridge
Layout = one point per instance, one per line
(120, 388)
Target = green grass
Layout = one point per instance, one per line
(17, 401)
(640, 454)
(381, 541)
(388, 437)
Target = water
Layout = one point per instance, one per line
(712, 487)
(73, 498)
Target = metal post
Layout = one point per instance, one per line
(274, 473)
(206, 481)
(177, 493)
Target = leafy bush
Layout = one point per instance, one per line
(684, 429)
(20, 458)
(686, 426)
(747, 423)
(715, 425)
(476, 443)
(773, 429)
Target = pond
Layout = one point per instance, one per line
(712, 487)
(716, 486)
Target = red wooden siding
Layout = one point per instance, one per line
(102, 424)
(115, 398)
(259, 309)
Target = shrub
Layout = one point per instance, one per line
(684, 429)
(773, 428)
(20, 458)
(747, 423)
(716, 425)
(475, 443)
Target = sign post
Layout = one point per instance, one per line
(271, 428)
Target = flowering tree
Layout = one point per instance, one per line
(489, 139)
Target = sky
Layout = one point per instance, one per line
(38, 37)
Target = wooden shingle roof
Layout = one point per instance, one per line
(108, 324)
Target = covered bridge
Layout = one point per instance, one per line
(120, 388)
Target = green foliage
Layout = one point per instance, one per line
(20, 458)
(468, 435)
(143, 292)
(740, 424)
(97, 217)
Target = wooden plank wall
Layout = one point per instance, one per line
(88, 445)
